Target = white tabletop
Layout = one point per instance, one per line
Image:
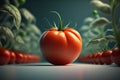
(46, 71)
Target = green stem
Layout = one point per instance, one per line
(60, 23)
(114, 24)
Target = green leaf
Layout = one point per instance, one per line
(99, 22)
(89, 20)
(28, 16)
(85, 27)
(110, 38)
(103, 7)
(12, 10)
(7, 32)
(34, 29)
(19, 39)
(15, 3)
(96, 41)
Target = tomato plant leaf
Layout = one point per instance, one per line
(7, 32)
(99, 22)
(19, 39)
(96, 41)
(22, 33)
(103, 7)
(85, 27)
(13, 11)
(35, 29)
(110, 38)
(28, 16)
(89, 20)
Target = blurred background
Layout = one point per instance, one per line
(37, 17)
(73, 11)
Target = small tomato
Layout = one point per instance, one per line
(12, 57)
(4, 56)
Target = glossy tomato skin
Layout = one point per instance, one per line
(4, 56)
(19, 58)
(61, 47)
(94, 58)
(106, 57)
(97, 59)
(12, 57)
(90, 58)
(115, 56)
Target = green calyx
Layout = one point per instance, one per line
(60, 23)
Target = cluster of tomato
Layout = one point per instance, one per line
(11, 57)
(106, 57)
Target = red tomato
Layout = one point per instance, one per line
(98, 58)
(25, 58)
(36, 58)
(30, 58)
(82, 58)
(85, 58)
(94, 58)
(90, 58)
(4, 56)
(106, 57)
(12, 57)
(61, 47)
(19, 58)
(115, 56)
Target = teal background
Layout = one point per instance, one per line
(73, 11)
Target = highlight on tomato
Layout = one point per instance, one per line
(12, 57)
(61, 46)
(115, 56)
(4, 56)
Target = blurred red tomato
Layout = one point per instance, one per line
(4, 56)
(106, 57)
(19, 58)
(12, 57)
(115, 56)
(25, 58)
(94, 58)
(97, 59)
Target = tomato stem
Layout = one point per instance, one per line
(60, 23)
(117, 36)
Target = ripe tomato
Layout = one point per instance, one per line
(19, 58)
(25, 58)
(115, 56)
(90, 58)
(30, 58)
(106, 57)
(98, 58)
(61, 47)
(36, 58)
(12, 57)
(4, 56)
(94, 58)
